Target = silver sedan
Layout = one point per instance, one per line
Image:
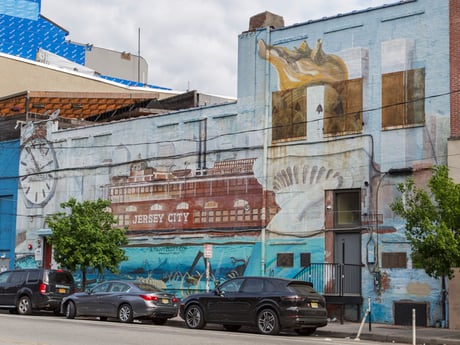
(124, 300)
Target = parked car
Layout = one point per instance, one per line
(270, 304)
(124, 300)
(23, 290)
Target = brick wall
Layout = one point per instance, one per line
(454, 40)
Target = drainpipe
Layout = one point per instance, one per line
(27, 106)
(265, 163)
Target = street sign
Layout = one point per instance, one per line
(208, 251)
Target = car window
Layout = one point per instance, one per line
(231, 285)
(269, 286)
(60, 277)
(119, 287)
(252, 285)
(33, 276)
(18, 277)
(4, 277)
(104, 287)
(301, 289)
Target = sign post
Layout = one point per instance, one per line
(207, 256)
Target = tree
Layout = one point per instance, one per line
(432, 224)
(85, 237)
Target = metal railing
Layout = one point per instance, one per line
(333, 279)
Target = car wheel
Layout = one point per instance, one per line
(194, 317)
(159, 320)
(305, 331)
(267, 322)
(24, 305)
(125, 313)
(70, 310)
(232, 328)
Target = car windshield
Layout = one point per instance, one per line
(147, 287)
(301, 289)
(59, 277)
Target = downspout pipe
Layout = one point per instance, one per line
(265, 163)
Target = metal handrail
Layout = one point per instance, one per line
(333, 278)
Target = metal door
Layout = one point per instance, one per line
(347, 253)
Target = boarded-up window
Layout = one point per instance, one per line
(289, 115)
(403, 99)
(285, 260)
(394, 260)
(343, 103)
(305, 259)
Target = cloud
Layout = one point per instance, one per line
(186, 43)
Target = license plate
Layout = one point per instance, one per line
(164, 300)
(62, 290)
(314, 305)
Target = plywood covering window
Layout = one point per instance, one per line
(343, 103)
(403, 99)
(285, 260)
(289, 115)
(394, 260)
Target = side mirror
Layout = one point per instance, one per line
(218, 292)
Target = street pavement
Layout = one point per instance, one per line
(380, 333)
(391, 333)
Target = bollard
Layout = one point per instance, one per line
(413, 327)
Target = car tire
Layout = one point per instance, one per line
(194, 317)
(70, 310)
(24, 306)
(306, 331)
(232, 328)
(268, 322)
(125, 313)
(159, 320)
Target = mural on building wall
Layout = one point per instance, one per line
(226, 197)
(304, 67)
(299, 180)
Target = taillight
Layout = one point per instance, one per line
(291, 298)
(175, 300)
(42, 288)
(149, 298)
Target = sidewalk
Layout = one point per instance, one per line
(391, 333)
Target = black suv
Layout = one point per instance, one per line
(23, 290)
(270, 304)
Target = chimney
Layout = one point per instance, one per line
(265, 19)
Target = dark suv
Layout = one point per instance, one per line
(270, 304)
(23, 290)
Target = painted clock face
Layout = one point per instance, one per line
(37, 169)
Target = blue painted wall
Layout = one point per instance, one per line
(9, 158)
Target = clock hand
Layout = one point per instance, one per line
(46, 164)
(33, 158)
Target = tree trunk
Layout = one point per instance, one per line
(444, 298)
(83, 279)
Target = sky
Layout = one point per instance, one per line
(187, 44)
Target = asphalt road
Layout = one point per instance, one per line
(47, 329)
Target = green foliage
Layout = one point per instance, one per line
(85, 237)
(432, 222)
